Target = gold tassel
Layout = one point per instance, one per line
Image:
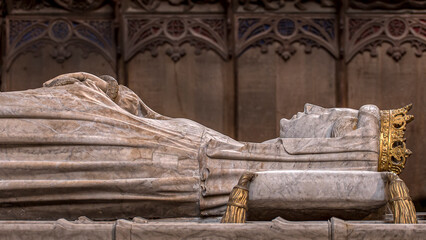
(400, 201)
(236, 210)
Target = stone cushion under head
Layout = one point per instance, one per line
(302, 195)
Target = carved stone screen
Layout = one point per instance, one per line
(237, 66)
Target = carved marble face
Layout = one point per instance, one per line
(319, 122)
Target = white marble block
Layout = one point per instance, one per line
(300, 195)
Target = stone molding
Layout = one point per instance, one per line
(147, 33)
(257, 31)
(366, 33)
(29, 34)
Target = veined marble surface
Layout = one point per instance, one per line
(322, 194)
(139, 229)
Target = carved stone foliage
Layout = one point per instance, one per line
(252, 5)
(80, 5)
(311, 32)
(70, 5)
(148, 32)
(30, 34)
(26, 4)
(367, 33)
(152, 5)
(387, 4)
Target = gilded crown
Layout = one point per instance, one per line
(393, 151)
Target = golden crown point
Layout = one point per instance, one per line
(409, 118)
(408, 107)
(393, 151)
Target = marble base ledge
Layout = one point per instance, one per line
(192, 229)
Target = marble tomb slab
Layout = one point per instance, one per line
(139, 229)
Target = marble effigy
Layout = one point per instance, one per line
(83, 145)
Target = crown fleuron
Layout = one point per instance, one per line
(393, 151)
